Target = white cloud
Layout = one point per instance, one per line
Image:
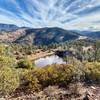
(51, 13)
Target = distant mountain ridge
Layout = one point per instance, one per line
(95, 34)
(8, 27)
(90, 34)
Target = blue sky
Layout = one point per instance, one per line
(67, 14)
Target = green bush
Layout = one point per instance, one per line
(2, 49)
(50, 75)
(24, 64)
(31, 82)
(59, 74)
(9, 80)
(92, 71)
(7, 61)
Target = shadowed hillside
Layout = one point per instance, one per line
(42, 36)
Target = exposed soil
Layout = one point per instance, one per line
(82, 92)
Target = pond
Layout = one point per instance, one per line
(54, 59)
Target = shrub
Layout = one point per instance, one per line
(92, 72)
(24, 64)
(9, 80)
(50, 75)
(60, 74)
(76, 89)
(31, 82)
(7, 61)
(2, 49)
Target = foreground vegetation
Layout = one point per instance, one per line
(18, 73)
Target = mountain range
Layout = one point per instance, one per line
(92, 34)
(8, 27)
(44, 36)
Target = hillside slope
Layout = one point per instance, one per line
(43, 36)
(47, 36)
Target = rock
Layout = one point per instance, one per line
(93, 87)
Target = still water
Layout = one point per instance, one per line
(54, 59)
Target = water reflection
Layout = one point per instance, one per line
(54, 59)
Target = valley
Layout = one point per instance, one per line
(49, 63)
(49, 49)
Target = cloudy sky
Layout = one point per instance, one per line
(67, 14)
